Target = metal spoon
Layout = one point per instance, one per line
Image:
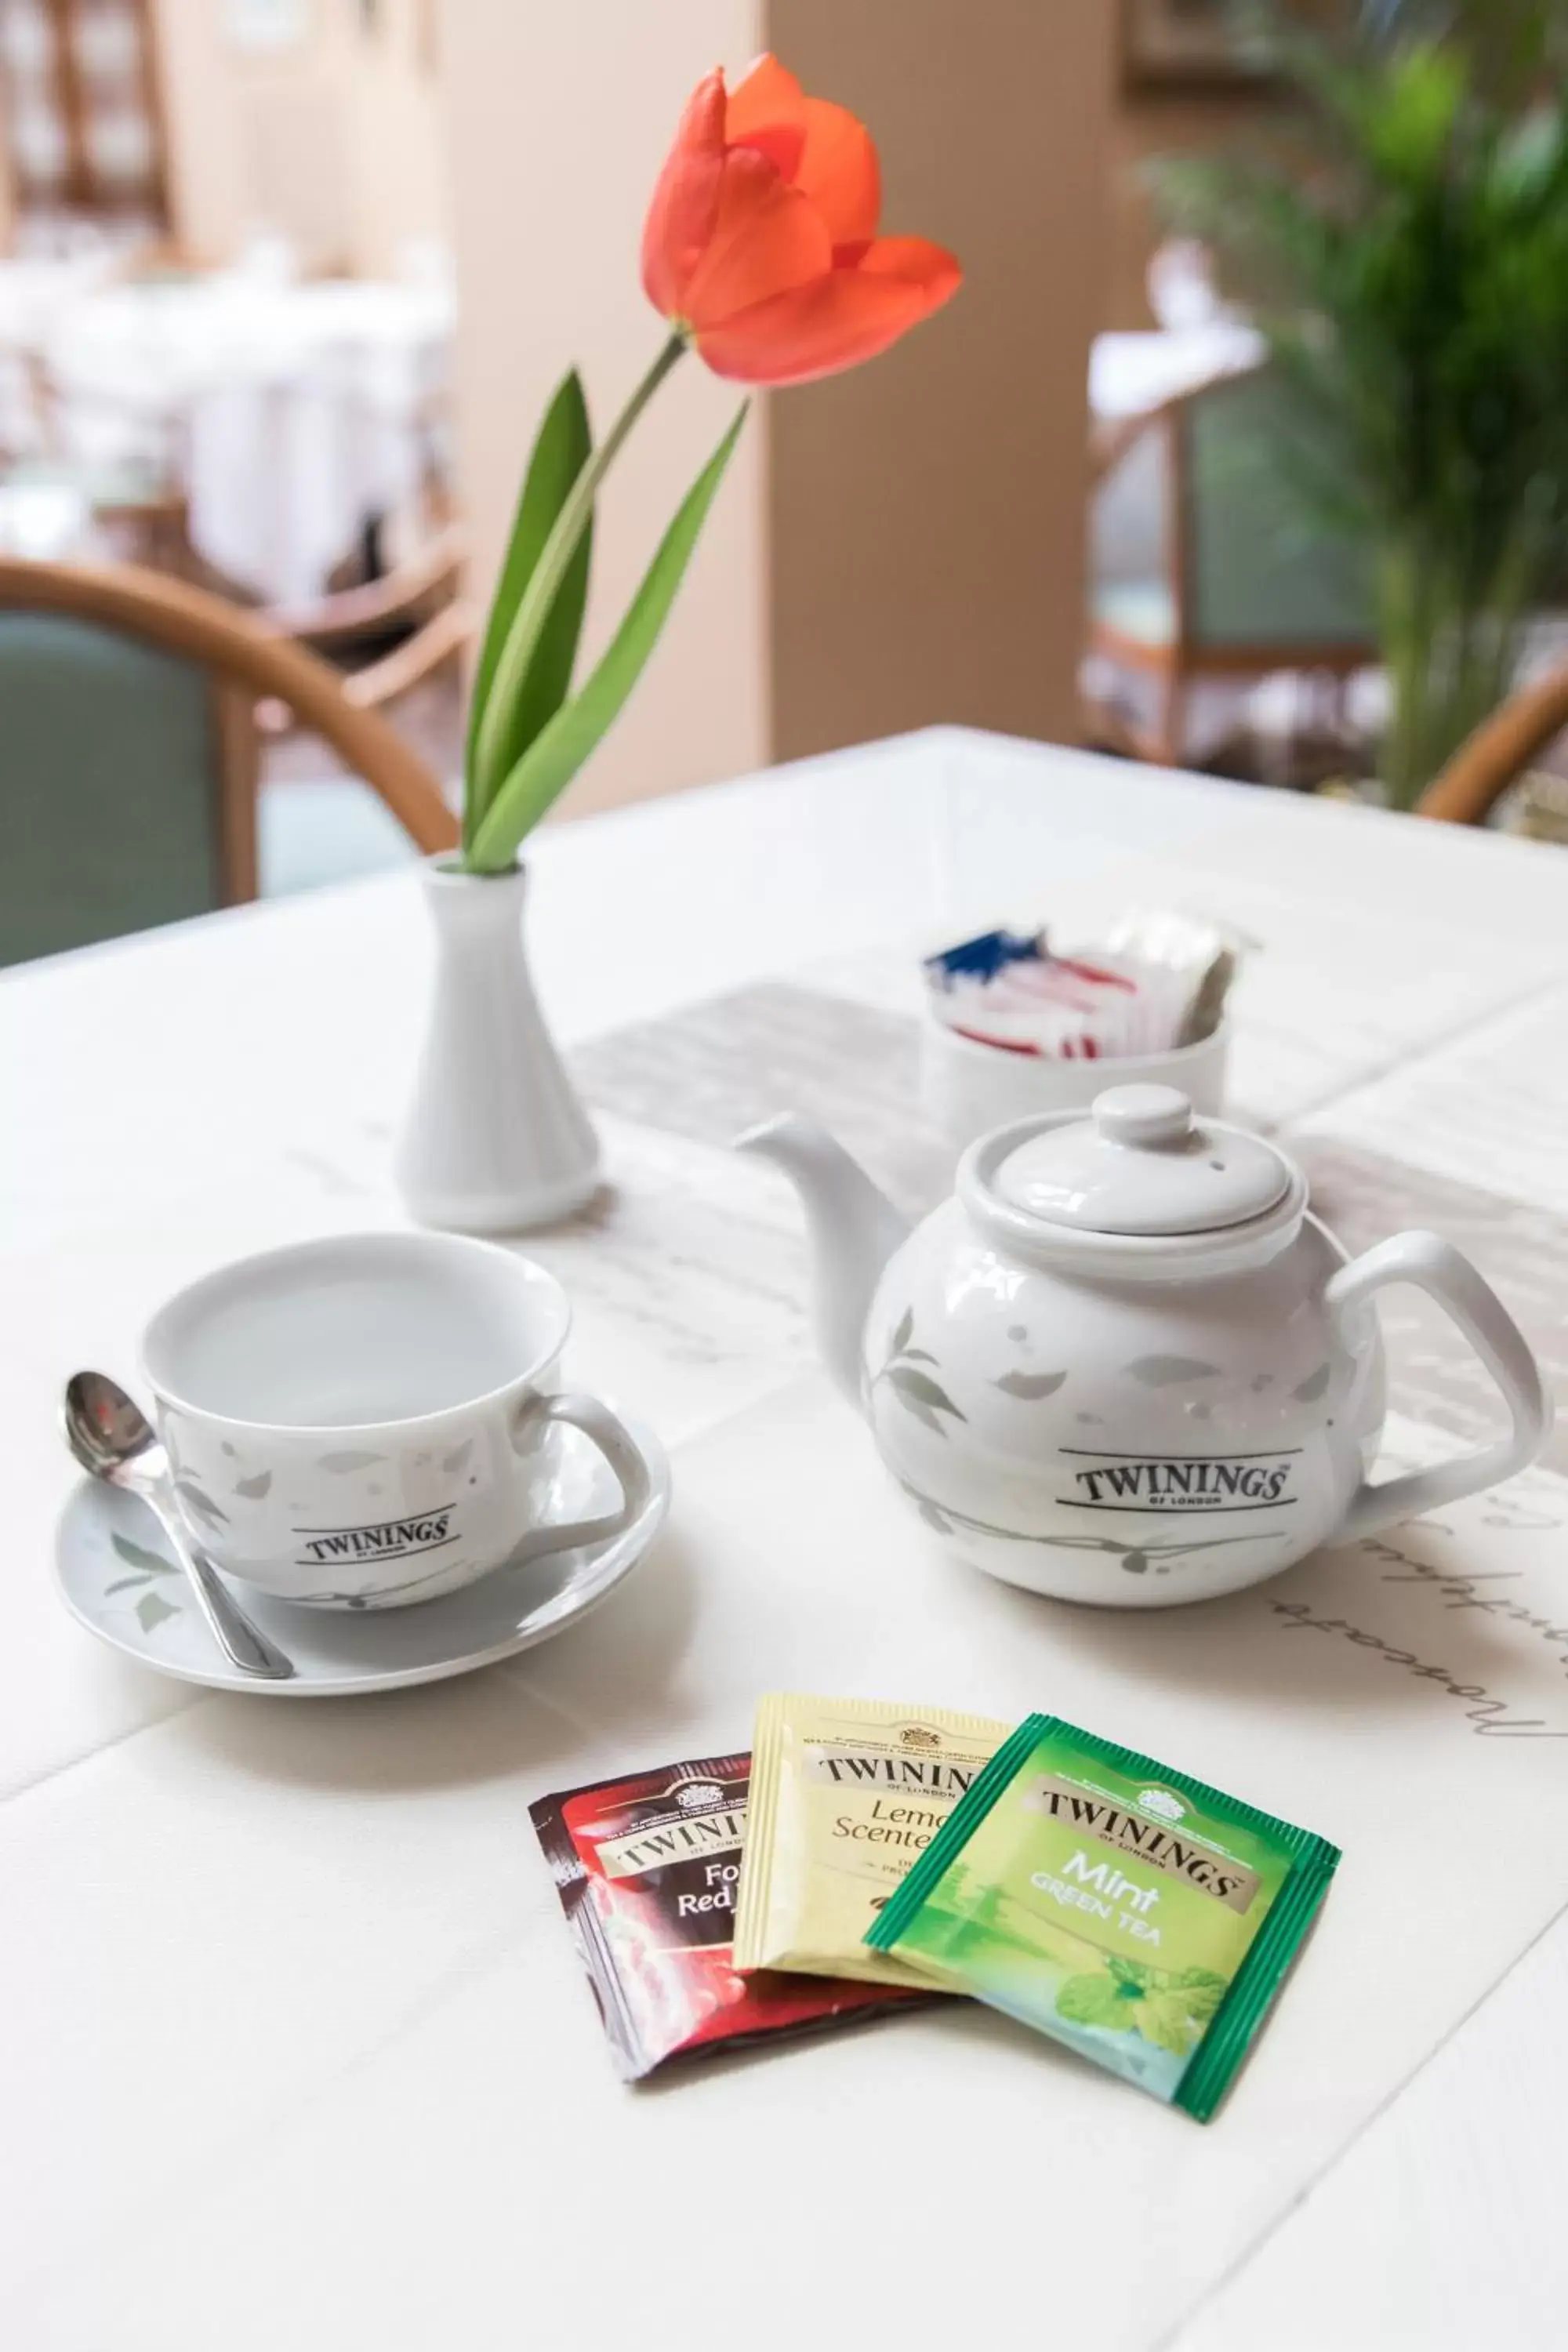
(112, 1439)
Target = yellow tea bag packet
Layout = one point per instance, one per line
(847, 1795)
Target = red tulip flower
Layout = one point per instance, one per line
(761, 249)
(761, 242)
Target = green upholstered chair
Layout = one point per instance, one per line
(128, 751)
(112, 784)
(1202, 564)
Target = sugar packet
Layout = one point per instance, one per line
(846, 1794)
(1139, 1915)
(646, 1868)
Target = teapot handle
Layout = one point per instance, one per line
(1435, 1266)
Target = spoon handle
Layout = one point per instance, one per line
(242, 1643)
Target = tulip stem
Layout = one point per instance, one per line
(536, 598)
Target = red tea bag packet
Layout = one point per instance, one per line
(647, 1869)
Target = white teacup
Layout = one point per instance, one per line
(362, 1423)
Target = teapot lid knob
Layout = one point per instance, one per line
(1145, 1116)
(1143, 1164)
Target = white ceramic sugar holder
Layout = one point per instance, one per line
(966, 1088)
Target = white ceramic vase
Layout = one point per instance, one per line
(495, 1138)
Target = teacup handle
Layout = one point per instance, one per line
(1435, 1266)
(601, 1427)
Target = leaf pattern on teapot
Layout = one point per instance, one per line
(1164, 1371)
(1138, 1559)
(1029, 1386)
(917, 1390)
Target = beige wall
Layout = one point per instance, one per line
(1148, 122)
(927, 511)
(902, 545)
(558, 120)
(336, 142)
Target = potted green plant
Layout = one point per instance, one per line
(1404, 245)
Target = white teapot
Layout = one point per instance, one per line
(1124, 1364)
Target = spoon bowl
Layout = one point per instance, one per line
(112, 1439)
(107, 1430)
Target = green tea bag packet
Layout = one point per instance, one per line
(1130, 1911)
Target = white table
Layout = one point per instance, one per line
(291, 2044)
(293, 411)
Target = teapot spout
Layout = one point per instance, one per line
(854, 1231)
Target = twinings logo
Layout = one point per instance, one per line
(1193, 1482)
(1230, 1883)
(673, 1842)
(1161, 1801)
(697, 1796)
(915, 1734)
(388, 1540)
(864, 1767)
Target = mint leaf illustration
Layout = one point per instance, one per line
(1162, 2018)
(905, 1332)
(1202, 1991)
(152, 1608)
(1095, 2000)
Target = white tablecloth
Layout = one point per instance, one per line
(292, 2044)
(293, 413)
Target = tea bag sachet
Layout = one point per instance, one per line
(847, 1795)
(646, 1868)
(1133, 1912)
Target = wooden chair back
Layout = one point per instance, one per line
(131, 744)
(1499, 751)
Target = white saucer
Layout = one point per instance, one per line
(116, 1578)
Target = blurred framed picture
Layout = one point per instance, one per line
(1185, 45)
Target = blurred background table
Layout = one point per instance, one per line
(293, 415)
(1132, 370)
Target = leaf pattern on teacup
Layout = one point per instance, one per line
(1315, 1385)
(254, 1488)
(459, 1455)
(527, 1429)
(350, 1459)
(197, 1500)
(152, 1608)
(135, 1554)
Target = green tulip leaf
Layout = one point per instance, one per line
(559, 750)
(561, 450)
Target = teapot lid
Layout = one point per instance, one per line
(1143, 1164)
